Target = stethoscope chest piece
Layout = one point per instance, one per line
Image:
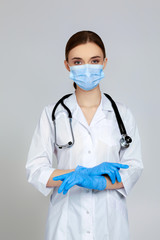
(125, 141)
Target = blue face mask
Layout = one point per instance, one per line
(87, 76)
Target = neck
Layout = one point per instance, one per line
(90, 98)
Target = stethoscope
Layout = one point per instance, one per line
(125, 139)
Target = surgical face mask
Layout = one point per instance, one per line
(87, 76)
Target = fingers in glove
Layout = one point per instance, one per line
(71, 182)
(111, 175)
(118, 176)
(68, 186)
(62, 186)
(119, 165)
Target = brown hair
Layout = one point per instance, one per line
(83, 37)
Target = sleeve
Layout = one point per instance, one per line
(40, 155)
(131, 156)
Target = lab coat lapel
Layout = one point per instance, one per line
(105, 105)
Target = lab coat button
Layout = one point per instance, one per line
(88, 231)
(89, 151)
(87, 211)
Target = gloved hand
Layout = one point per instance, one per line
(104, 168)
(80, 179)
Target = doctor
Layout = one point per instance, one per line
(94, 176)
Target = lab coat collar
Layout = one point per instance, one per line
(77, 114)
(72, 104)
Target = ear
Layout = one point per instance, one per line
(66, 65)
(105, 62)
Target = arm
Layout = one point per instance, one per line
(39, 161)
(110, 185)
(131, 156)
(57, 172)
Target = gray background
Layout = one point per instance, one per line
(33, 35)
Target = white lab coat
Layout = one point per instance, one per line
(85, 214)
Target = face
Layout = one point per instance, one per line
(88, 53)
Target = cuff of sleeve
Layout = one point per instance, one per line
(124, 190)
(128, 183)
(44, 177)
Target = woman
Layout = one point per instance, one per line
(95, 174)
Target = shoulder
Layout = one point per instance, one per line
(46, 112)
(49, 107)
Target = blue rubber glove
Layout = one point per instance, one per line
(82, 180)
(104, 168)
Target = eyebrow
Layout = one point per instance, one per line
(81, 58)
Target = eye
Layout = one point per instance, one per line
(96, 61)
(76, 62)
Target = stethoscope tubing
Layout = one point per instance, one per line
(125, 140)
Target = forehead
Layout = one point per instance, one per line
(86, 50)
